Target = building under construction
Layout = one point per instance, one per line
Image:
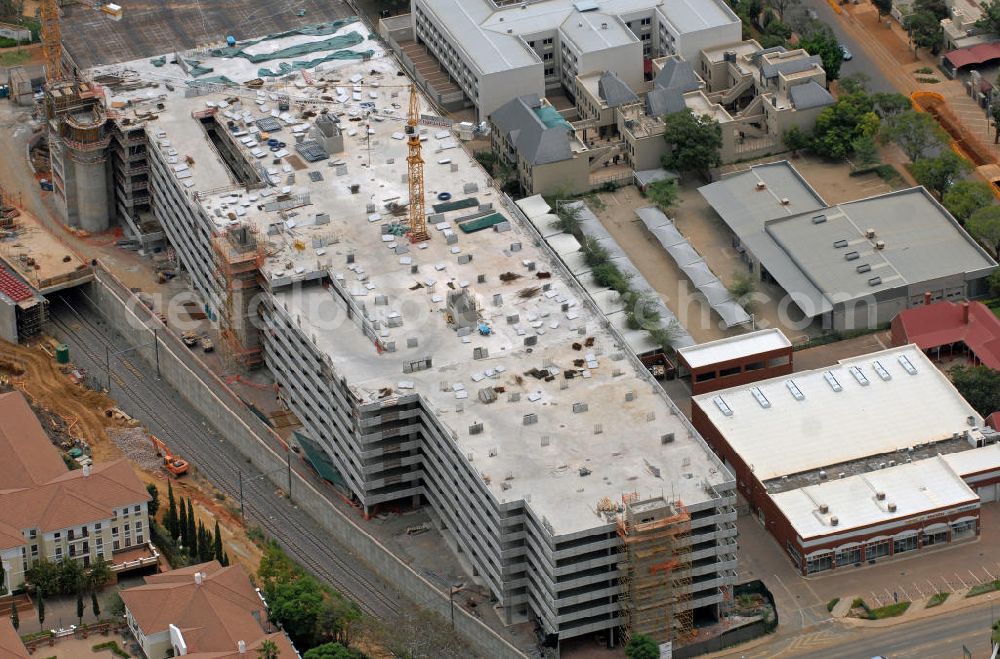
(655, 572)
(466, 372)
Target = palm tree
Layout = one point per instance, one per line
(267, 650)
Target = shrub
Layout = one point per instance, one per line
(937, 599)
(113, 646)
(888, 611)
(832, 603)
(984, 588)
(859, 603)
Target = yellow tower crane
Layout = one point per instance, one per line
(51, 32)
(415, 171)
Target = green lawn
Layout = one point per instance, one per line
(14, 57)
(937, 599)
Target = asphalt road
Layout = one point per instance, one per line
(861, 62)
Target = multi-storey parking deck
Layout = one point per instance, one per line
(464, 372)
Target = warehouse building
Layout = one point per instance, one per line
(851, 265)
(465, 373)
(873, 458)
(496, 51)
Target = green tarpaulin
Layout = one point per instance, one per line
(482, 223)
(446, 206)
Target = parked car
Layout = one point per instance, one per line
(845, 53)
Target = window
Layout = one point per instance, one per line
(904, 544)
(547, 42)
(647, 21)
(32, 534)
(57, 535)
(646, 37)
(531, 43)
(137, 509)
(547, 56)
(937, 538)
(97, 527)
(114, 530)
(549, 71)
(58, 553)
(849, 556)
(819, 563)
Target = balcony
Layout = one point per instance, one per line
(134, 558)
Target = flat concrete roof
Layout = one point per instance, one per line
(734, 347)
(868, 415)
(914, 488)
(584, 422)
(596, 31)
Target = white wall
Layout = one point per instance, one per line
(496, 89)
(625, 60)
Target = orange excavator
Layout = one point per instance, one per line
(172, 463)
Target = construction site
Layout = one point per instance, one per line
(440, 357)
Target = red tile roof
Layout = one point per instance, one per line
(13, 287)
(978, 54)
(943, 323)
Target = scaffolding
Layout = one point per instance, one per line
(655, 569)
(240, 256)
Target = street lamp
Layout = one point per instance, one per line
(451, 600)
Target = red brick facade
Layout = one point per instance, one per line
(740, 371)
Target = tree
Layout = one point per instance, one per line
(72, 577)
(916, 133)
(796, 140)
(966, 197)
(171, 521)
(192, 530)
(889, 105)
(338, 619)
(79, 608)
(938, 173)
(154, 502)
(838, 126)
(662, 193)
(823, 42)
(41, 611)
(95, 606)
(979, 385)
(15, 617)
(217, 548)
(924, 30)
(225, 559)
(865, 151)
(884, 7)
(854, 83)
(990, 19)
(994, 282)
(296, 605)
(116, 605)
(99, 575)
(995, 113)
(44, 577)
(641, 646)
(268, 650)
(984, 225)
(182, 526)
(693, 142)
(332, 651)
(781, 6)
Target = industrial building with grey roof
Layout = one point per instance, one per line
(852, 265)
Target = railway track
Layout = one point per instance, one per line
(158, 406)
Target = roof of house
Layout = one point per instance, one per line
(36, 489)
(214, 616)
(809, 95)
(285, 649)
(536, 141)
(28, 456)
(11, 646)
(945, 322)
(771, 68)
(915, 488)
(734, 347)
(840, 414)
(614, 91)
(978, 54)
(679, 75)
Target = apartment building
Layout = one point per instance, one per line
(527, 429)
(203, 610)
(48, 512)
(497, 51)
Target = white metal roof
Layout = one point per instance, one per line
(734, 347)
(828, 427)
(913, 488)
(974, 461)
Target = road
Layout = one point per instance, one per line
(862, 61)
(157, 405)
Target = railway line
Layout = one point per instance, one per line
(161, 409)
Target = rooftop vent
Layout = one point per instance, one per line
(723, 407)
(760, 397)
(839, 244)
(832, 381)
(859, 376)
(794, 390)
(822, 475)
(818, 219)
(864, 267)
(891, 507)
(667, 438)
(907, 365)
(869, 234)
(785, 201)
(824, 509)
(852, 256)
(880, 496)
(879, 244)
(874, 281)
(834, 521)
(882, 372)
(760, 186)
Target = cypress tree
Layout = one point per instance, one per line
(171, 518)
(192, 530)
(217, 548)
(41, 611)
(95, 607)
(182, 526)
(15, 618)
(79, 607)
(225, 559)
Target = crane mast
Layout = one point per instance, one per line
(415, 171)
(51, 39)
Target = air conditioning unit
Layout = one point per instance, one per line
(834, 521)
(880, 496)
(879, 244)
(892, 507)
(869, 234)
(824, 509)
(761, 185)
(785, 201)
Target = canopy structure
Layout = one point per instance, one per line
(694, 266)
